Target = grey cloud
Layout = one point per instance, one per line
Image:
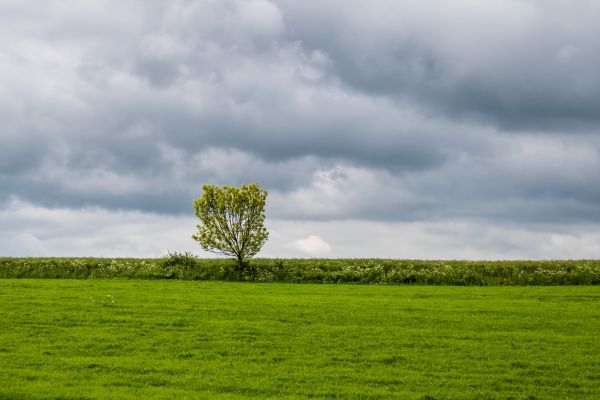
(389, 112)
(520, 65)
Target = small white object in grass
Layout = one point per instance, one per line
(313, 245)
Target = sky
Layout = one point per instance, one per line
(388, 128)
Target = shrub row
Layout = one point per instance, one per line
(367, 271)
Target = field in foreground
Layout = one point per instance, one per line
(122, 339)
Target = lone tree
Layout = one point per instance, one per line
(232, 220)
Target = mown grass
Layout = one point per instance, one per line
(187, 267)
(141, 339)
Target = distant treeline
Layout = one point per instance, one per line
(366, 271)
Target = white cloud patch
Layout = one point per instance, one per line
(450, 239)
(29, 230)
(312, 245)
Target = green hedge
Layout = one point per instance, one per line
(368, 271)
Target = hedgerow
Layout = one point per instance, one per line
(366, 271)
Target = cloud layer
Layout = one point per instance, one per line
(398, 113)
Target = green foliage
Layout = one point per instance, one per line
(178, 265)
(183, 260)
(366, 271)
(132, 339)
(232, 221)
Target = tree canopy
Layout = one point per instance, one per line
(232, 220)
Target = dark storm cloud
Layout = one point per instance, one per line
(400, 111)
(519, 64)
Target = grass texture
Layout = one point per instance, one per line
(369, 271)
(142, 339)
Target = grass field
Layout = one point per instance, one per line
(126, 339)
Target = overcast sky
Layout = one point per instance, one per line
(405, 129)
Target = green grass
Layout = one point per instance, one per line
(369, 271)
(142, 339)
